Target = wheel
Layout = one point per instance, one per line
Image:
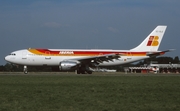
(25, 70)
(89, 72)
(78, 72)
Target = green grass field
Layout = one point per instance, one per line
(89, 93)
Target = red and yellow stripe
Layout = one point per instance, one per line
(48, 52)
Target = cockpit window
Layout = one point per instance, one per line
(13, 54)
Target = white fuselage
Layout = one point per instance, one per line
(25, 57)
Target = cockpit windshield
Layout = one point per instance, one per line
(13, 54)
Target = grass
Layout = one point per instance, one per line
(89, 93)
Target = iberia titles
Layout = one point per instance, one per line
(66, 52)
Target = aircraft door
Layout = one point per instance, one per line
(47, 56)
(129, 56)
(24, 55)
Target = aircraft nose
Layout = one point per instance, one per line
(6, 58)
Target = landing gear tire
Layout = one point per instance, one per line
(89, 72)
(83, 72)
(78, 72)
(25, 70)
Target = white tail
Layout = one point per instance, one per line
(152, 41)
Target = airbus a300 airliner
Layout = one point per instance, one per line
(82, 61)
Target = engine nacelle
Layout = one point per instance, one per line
(67, 65)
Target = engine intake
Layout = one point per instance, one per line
(67, 65)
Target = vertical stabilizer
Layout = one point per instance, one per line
(152, 41)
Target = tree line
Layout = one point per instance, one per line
(8, 67)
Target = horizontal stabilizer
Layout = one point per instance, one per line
(153, 54)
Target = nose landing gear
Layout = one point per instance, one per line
(25, 70)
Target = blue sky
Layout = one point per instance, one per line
(86, 24)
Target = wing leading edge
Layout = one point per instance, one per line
(99, 59)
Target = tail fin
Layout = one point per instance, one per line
(152, 41)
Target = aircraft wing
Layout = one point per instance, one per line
(99, 59)
(152, 54)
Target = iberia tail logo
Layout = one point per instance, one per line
(153, 41)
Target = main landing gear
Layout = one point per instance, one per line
(25, 70)
(83, 70)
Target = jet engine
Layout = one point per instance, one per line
(67, 65)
